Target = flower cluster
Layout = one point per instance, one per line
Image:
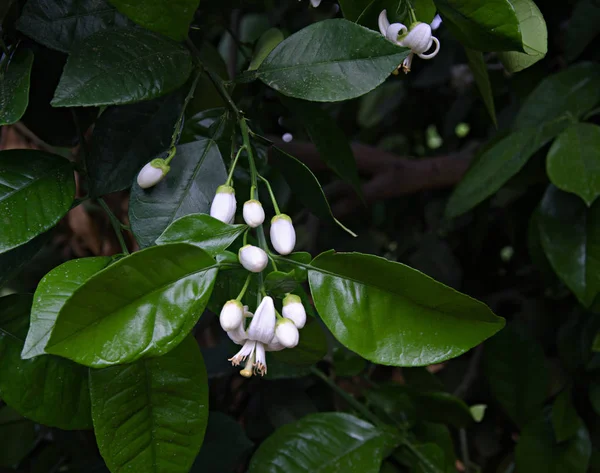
(417, 38)
(266, 329)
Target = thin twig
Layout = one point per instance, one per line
(116, 224)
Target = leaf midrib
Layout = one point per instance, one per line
(30, 182)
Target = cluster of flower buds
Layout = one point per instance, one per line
(267, 330)
(417, 37)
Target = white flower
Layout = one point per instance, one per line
(315, 3)
(283, 235)
(152, 173)
(294, 310)
(231, 315)
(287, 333)
(253, 258)
(223, 206)
(262, 327)
(254, 214)
(254, 352)
(418, 38)
(238, 335)
(275, 344)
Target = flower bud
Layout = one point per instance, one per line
(283, 235)
(275, 344)
(152, 173)
(294, 310)
(253, 258)
(223, 206)
(262, 327)
(287, 333)
(232, 315)
(254, 214)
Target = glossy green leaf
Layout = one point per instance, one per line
(279, 283)
(50, 296)
(330, 61)
(311, 348)
(17, 437)
(169, 17)
(267, 42)
(484, 26)
(573, 91)
(584, 26)
(482, 79)
(424, 10)
(58, 24)
(497, 163)
(12, 261)
(142, 305)
(14, 87)
(126, 137)
(570, 236)
(301, 178)
(203, 231)
(516, 371)
(410, 319)
(437, 449)
(36, 190)
(120, 66)
(330, 140)
(150, 416)
(189, 188)
(216, 454)
(573, 163)
(48, 390)
(535, 37)
(326, 442)
(538, 450)
(366, 12)
(565, 420)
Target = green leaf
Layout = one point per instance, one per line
(331, 142)
(150, 416)
(14, 88)
(516, 370)
(48, 390)
(216, 455)
(17, 437)
(279, 283)
(482, 79)
(58, 24)
(498, 163)
(267, 42)
(570, 236)
(535, 37)
(330, 61)
(203, 231)
(50, 296)
(327, 442)
(12, 261)
(189, 188)
(424, 10)
(119, 66)
(169, 17)
(301, 178)
(485, 26)
(311, 348)
(573, 164)
(36, 190)
(565, 420)
(571, 92)
(538, 450)
(141, 306)
(584, 26)
(392, 314)
(127, 137)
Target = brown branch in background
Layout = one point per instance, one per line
(388, 175)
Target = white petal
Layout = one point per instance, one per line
(275, 345)
(149, 176)
(231, 315)
(262, 327)
(254, 214)
(246, 351)
(434, 53)
(260, 365)
(393, 31)
(238, 335)
(295, 312)
(253, 258)
(418, 38)
(383, 22)
(223, 206)
(437, 21)
(283, 234)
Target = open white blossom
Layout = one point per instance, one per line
(417, 38)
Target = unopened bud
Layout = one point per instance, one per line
(231, 315)
(152, 173)
(223, 206)
(287, 333)
(253, 258)
(254, 214)
(294, 310)
(283, 235)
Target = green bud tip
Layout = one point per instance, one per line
(161, 164)
(290, 298)
(224, 189)
(281, 217)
